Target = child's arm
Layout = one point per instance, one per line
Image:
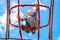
(35, 8)
(20, 18)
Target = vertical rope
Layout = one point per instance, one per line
(8, 17)
(38, 20)
(19, 21)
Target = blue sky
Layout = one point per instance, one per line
(14, 32)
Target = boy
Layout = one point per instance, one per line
(31, 18)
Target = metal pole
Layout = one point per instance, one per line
(8, 17)
(51, 19)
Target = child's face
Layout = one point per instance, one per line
(30, 12)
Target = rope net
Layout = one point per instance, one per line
(50, 21)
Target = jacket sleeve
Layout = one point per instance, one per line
(34, 12)
(24, 19)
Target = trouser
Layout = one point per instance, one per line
(31, 22)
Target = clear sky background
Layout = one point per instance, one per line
(14, 32)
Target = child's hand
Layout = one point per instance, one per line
(36, 6)
(18, 16)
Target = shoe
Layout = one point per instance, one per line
(23, 26)
(33, 32)
(26, 31)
